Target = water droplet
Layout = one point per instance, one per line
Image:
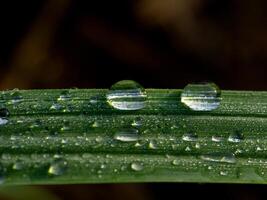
(137, 122)
(16, 97)
(66, 126)
(95, 124)
(3, 121)
(127, 135)
(175, 162)
(190, 137)
(127, 95)
(201, 97)
(55, 106)
(235, 137)
(64, 96)
(137, 166)
(58, 167)
(218, 157)
(152, 145)
(223, 173)
(36, 124)
(18, 165)
(215, 138)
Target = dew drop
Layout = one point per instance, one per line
(95, 124)
(217, 157)
(16, 97)
(58, 167)
(18, 165)
(215, 138)
(201, 97)
(152, 145)
(175, 162)
(137, 166)
(189, 137)
(55, 106)
(3, 121)
(127, 95)
(137, 122)
(235, 137)
(127, 135)
(64, 96)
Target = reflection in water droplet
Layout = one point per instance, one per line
(218, 157)
(127, 135)
(201, 97)
(190, 137)
(57, 167)
(235, 137)
(137, 166)
(127, 95)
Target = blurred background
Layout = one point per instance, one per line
(158, 43)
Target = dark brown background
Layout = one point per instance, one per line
(159, 43)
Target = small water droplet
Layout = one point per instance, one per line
(216, 138)
(152, 145)
(218, 157)
(235, 137)
(137, 166)
(16, 97)
(3, 121)
(175, 162)
(36, 124)
(127, 95)
(64, 96)
(127, 135)
(137, 122)
(223, 173)
(18, 165)
(56, 106)
(58, 167)
(201, 97)
(95, 124)
(190, 137)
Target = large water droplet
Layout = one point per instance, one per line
(3, 121)
(58, 167)
(217, 157)
(201, 97)
(127, 95)
(190, 137)
(127, 135)
(137, 166)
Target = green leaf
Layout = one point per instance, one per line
(78, 136)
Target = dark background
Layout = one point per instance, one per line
(158, 43)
